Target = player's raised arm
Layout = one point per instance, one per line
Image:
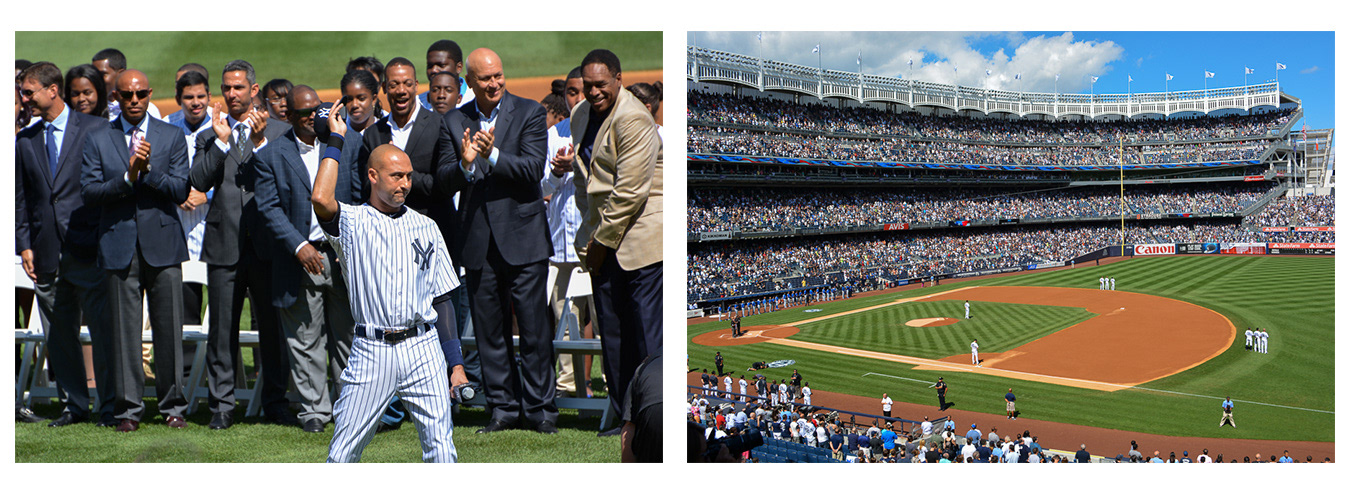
(325, 203)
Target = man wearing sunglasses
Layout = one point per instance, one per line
(235, 251)
(308, 290)
(135, 172)
(55, 235)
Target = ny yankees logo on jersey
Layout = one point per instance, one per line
(422, 254)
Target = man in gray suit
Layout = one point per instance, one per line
(308, 288)
(135, 171)
(234, 249)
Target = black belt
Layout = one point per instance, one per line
(322, 245)
(392, 336)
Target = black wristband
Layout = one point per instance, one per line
(334, 150)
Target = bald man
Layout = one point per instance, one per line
(500, 141)
(399, 271)
(306, 278)
(135, 171)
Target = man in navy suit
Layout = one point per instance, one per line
(308, 290)
(234, 247)
(501, 139)
(135, 172)
(55, 234)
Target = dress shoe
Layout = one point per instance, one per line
(546, 427)
(221, 420)
(108, 422)
(128, 425)
(177, 422)
(67, 418)
(23, 414)
(286, 419)
(313, 425)
(494, 426)
(611, 432)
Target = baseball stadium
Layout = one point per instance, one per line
(535, 63)
(1095, 262)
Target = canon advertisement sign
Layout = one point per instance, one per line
(1155, 249)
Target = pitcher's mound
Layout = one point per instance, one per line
(753, 334)
(929, 322)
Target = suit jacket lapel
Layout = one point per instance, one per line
(293, 159)
(419, 128)
(504, 114)
(120, 144)
(67, 143)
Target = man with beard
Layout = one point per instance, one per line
(236, 251)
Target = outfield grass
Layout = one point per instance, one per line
(1292, 297)
(318, 58)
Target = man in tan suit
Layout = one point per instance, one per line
(619, 241)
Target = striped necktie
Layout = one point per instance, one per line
(51, 148)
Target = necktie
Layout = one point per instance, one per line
(135, 140)
(239, 135)
(51, 148)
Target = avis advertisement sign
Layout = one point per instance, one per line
(1155, 249)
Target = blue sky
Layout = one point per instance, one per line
(1076, 56)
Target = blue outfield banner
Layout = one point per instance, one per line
(728, 158)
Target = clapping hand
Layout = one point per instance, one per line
(220, 122)
(257, 123)
(562, 162)
(469, 153)
(140, 162)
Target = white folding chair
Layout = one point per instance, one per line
(578, 287)
(32, 340)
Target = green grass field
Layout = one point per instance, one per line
(318, 58)
(1287, 394)
(251, 441)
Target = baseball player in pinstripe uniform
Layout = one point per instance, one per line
(399, 275)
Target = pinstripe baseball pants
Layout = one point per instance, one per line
(414, 369)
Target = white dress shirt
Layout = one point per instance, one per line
(563, 216)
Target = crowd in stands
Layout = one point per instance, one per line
(938, 441)
(721, 209)
(1287, 211)
(707, 140)
(728, 269)
(712, 109)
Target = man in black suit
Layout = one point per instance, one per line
(418, 132)
(55, 235)
(135, 172)
(235, 250)
(308, 290)
(501, 140)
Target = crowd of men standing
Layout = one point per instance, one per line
(112, 200)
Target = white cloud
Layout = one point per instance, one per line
(946, 57)
(1310, 70)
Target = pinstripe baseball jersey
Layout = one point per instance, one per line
(394, 265)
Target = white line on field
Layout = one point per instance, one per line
(1147, 389)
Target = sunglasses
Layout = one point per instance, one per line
(304, 112)
(142, 94)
